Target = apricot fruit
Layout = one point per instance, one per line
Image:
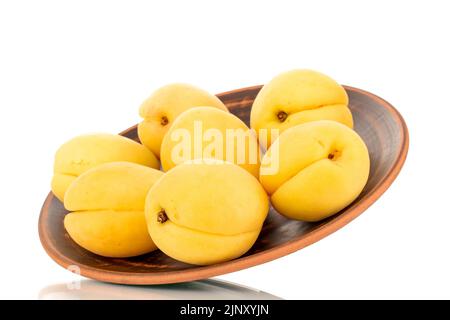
(205, 132)
(87, 151)
(322, 167)
(297, 97)
(206, 212)
(106, 205)
(160, 110)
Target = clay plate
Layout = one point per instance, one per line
(379, 124)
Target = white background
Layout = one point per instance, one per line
(75, 67)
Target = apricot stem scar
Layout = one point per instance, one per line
(282, 116)
(164, 120)
(333, 155)
(162, 216)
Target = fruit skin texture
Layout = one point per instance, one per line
(220, 121)
(161, 109)
(297, 97)
(87, 151)
(215, 212)
(107, 209)
(323, 167)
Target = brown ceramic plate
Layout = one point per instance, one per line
(379, 124)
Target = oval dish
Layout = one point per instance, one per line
(379, 124)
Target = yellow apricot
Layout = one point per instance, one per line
(322, 167)
(160, 110)
(87, 151)
(205, 132)
(206, 212)
(106, 205)
(297, 97)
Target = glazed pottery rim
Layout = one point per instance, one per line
(202, 272)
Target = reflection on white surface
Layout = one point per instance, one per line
(197, 290)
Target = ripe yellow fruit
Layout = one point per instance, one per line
(107, 209)
(297, 97)
(205, 132)
(87, 151)
(205, 213)
(160, 110)
(322, 167)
